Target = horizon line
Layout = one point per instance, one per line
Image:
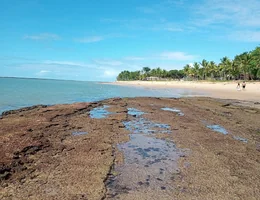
(17, 77)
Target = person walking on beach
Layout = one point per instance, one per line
(244, 85)
(238, 86)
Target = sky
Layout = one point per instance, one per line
(94, 40)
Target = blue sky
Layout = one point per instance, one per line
(96, 39)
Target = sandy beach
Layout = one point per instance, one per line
(222, 90)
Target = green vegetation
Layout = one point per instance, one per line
(244, 66)
(147, 72)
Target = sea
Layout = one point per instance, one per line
(16, 93)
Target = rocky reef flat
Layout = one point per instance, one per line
(132, 148)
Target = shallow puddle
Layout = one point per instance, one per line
(218, 128)
(141, 125)
(240, 139)
(150, 164)
(99, 112)
(79, 133)
(134, 112)
(222, 130)
(173, 110)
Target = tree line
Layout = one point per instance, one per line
(244, 66)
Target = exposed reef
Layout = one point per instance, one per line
(131, 148)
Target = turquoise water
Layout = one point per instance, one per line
(16, 92)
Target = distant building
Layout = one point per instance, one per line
(152, 78)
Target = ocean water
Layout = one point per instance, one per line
(17, 92)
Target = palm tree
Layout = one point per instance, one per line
(164, 73)
(235, 70)
(205, 66)
(229, 67)
(225, 67)
(187, 70)
(196, 68)
(246, 64)
(254, 67)
(146, 70)
(243, 62)
(158, 72)
(213, 69)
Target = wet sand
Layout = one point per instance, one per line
(132, 148)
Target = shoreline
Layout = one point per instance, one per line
(217, 90)
(221, 90)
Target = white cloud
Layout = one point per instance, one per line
(146, 10)
(236, 20)
(134, 58)
(42, 36)
(90, 39)
(234, 12)
(172, 29)
(180, 56)
(165, 25)
(110, 73)
(160, 7)
(108, 62)
(214, 17)
(246, 36)
(53, 62)
(159, 24)
(43, 73)
(72, 65)
(16, 58)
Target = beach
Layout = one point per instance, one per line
(223, 90)
(131, 148)
(130, 100)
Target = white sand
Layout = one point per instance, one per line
(223, 90)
